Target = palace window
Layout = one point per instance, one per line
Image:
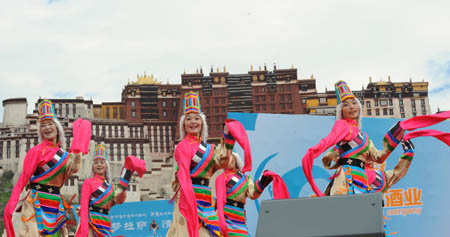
(114, 113)
(8, 149)
(111, 151)
(133, 149)
(28, 144)
(119, 152)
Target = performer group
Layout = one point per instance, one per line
(211, 183)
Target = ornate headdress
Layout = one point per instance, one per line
(100, 152)
(191, 103)
(343, 92)
(46, 110)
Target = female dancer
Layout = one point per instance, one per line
(45, 169)
(98, 195)
(194, 214)
(233, 186)
(352, 148)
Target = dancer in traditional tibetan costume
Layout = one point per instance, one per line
(234, 186)
(43, 211)
(98, 195)
(352, 148)
(194, 213)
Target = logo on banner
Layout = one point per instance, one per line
(402, 202)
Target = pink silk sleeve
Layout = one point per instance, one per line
(340, 131)
(29, 166)
(444, 137)
(221, 195)
(83, 230)
(280, 190)
(237, 130)
(424, 121)
(133, 163)
(81, 136)
(186, 204)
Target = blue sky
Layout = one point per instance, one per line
(92, 48)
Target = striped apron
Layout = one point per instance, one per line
(98, 216)
(201, 163)
(234, 211)
(354, 168)
(50, 211)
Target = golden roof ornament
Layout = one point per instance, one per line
(146, 80)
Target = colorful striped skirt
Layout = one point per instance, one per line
(49, 211)
(235, 218)
(205, 209)
(100, 223)
(356, 179)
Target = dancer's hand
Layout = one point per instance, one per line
(265, 180)
(397, 131)
(407, 145)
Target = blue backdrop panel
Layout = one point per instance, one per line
(135, 218)
(417, 205)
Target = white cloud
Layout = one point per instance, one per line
(92, 48)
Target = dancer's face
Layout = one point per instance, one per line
(48, 130)
(193, 124)
(350, 109)
(99, 167)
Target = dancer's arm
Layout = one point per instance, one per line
(390, 142)
(73, 164)
(255, 189)
(400, 170)
(330, 156)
